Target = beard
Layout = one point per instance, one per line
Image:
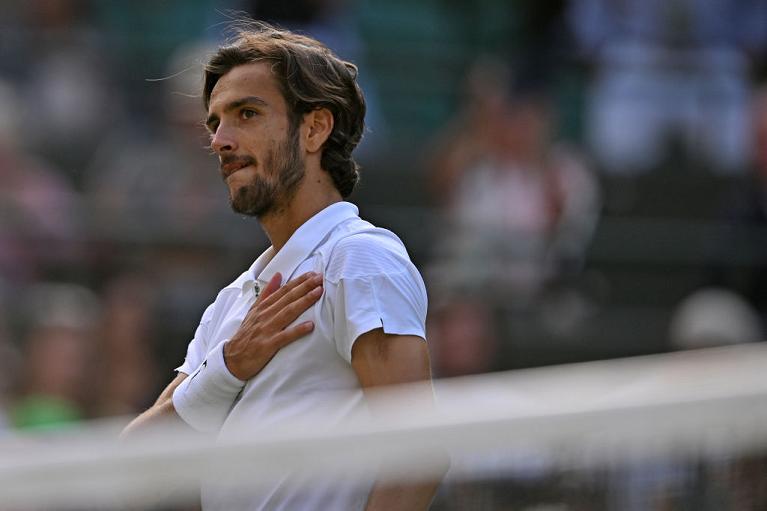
(266, 194)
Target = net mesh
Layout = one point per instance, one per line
(678, 431)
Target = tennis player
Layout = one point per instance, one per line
(333, 307)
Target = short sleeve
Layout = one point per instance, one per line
(198, 347)
(373, 285)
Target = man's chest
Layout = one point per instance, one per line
(310, 363)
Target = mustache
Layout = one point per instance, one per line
(240, 161)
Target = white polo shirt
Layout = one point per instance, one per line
(369, 283)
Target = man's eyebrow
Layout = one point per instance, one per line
(232, 105)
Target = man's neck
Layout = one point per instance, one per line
(280, 224)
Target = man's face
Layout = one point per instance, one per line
(260, 156)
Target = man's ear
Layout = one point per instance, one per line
(318, 124)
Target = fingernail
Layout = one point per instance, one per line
(317, 291)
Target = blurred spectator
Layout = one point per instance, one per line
(56, 375)
(518, 208)
(518, 211)
(65, 82)
(39, 220)
(670, 71)
(462, 338)
(9, 366)
(126, 372)
(714, 317)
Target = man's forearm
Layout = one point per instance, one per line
(159, 413)
(162, 410)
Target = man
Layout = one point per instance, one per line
(284, 115)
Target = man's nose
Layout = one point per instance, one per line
(223, 141)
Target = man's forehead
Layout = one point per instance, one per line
(253, 78)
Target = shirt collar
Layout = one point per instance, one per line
(298, 247)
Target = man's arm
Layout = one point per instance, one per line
(383, 359)
(161, 410)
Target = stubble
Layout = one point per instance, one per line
(266, 194)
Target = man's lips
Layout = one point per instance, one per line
(230, 167)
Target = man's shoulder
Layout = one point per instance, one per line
(376, 240)
(371, 250)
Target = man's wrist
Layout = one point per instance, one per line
(204, 398)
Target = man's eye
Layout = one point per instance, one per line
(248, 113)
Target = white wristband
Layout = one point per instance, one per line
(203, 400)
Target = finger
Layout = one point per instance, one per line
(291, 334)
(272, 298)
(271, 287)
(294, 294)
(287, 288)
(290, 312)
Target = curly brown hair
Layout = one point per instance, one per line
(310, 76)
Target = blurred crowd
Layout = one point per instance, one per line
(592, 184)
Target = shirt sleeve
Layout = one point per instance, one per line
(198, 347)
(374, 285)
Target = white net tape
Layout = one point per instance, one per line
(576, 416)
